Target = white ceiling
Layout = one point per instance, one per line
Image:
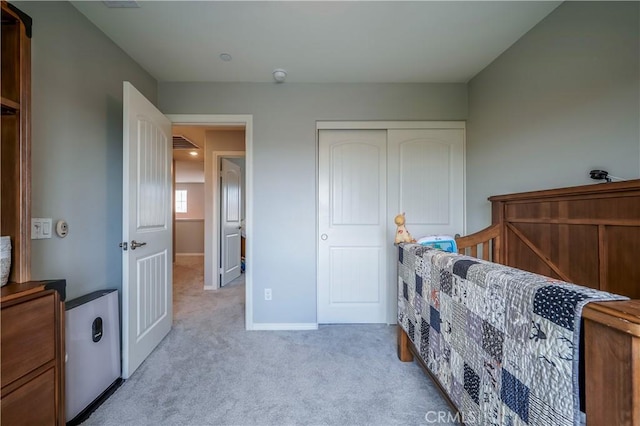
(317, 42)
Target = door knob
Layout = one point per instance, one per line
(135, 244)
(324, 237)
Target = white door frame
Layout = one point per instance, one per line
(215, 174)
(387, 125)
(210, 233)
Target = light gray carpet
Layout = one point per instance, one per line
(210, 371)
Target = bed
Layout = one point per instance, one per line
(588, 235)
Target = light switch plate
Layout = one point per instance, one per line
(40, 228)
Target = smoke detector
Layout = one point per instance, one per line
(279, 75)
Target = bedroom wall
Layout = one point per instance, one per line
(190, 225)
(189, 171)
(563, 100)
(284, 166)
(195, 200)
(77, 76)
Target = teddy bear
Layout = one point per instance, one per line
(402, 235)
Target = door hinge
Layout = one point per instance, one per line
(124, 245)
(220, 271)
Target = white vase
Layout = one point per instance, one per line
(5, 259)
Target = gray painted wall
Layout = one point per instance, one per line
(190, 236)
(190, 225)
(189, 171)
(77, 76)
(563, 100)
(284, 166)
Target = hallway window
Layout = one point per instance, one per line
(181, 201)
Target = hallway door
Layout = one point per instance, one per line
(147, 228)
(230, 216)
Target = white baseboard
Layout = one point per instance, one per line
(284, 326)
(189, 254)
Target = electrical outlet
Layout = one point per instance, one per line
(267, 294)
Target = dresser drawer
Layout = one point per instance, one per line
(27, 336)
(32, 403)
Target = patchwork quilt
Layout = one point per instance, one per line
(503, 343)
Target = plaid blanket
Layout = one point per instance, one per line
(503, 343)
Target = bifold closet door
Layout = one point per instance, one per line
(352, 241)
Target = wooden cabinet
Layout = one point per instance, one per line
(15, 154)
(32, 365)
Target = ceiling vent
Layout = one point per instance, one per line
(180, 142)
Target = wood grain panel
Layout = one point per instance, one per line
(581, 254)
(15, 155)
(606, 209)
(589, 235)
(10, 49)
(622, 245)
(10, 175)
(28, 336)
(404, 346)
(612, 383)
(527, 210)
(522, 256)
(31, 404)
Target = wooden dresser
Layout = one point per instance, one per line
(32, 353)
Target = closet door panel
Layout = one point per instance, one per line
(426, 179)
(426, 182)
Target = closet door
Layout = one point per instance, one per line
(352, 222)
(426, 181)
(365, 178)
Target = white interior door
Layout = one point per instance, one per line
(352, 264)
(426, 181)
(147, 229)
(230, 215)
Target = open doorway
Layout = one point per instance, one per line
(223, 136)
(188, 172)
(210, 212)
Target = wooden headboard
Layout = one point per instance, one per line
(588, 235)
